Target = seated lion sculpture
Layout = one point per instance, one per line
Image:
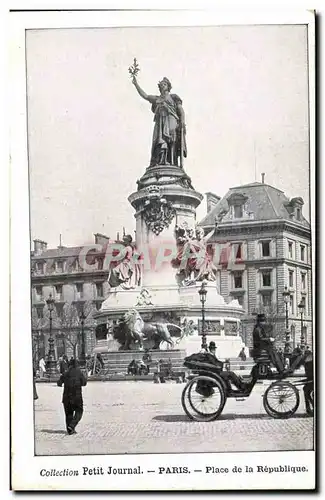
(132, 329)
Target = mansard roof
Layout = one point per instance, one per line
(262, 202)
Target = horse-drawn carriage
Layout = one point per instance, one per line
(209, 385)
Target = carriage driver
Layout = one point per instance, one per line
(261, 340)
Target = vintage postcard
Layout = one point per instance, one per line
(162, 279)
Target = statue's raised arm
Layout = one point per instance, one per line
(141, 92)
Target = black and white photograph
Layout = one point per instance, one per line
(163, 218)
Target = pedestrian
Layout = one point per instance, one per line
(35, 395)
(242, 354)
(64, 364)
(212, 348)
(73, 380)
(147, 359)
(42, 369)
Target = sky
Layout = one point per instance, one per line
(245, 96)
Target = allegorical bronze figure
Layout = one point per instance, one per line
(168, 142)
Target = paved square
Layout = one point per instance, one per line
(143, 417)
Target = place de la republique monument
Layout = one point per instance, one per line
(163, 292)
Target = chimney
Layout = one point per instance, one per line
(263, 177)
(60, 244)
(212, 201)
(101, 239)
(39, 247)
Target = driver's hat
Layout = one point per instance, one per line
(212, 345)
(261, 317)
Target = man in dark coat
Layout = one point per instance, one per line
(64, 364)
(262, 341)
(73, 380)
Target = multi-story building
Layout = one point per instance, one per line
(75, 288)
(263, 245)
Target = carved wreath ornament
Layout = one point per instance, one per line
(158, 212)
(158, 215)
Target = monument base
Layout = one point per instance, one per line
(180, 306)
(117, 362)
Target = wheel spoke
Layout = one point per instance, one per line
(281, 399)
(203, 398)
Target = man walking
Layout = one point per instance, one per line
(73, 380)
(64, 364)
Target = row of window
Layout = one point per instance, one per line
(265, 250)
(40, 310)
(238, 212)
(79, 291)
(239, 275)
(303, 279)
(291, 251)
(61, 266)
(266, 279)
(266, 300)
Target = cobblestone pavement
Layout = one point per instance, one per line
(142, 417)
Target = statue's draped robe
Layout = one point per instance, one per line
(166, 129)
(127, 272)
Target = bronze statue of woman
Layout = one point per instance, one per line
(168, 142)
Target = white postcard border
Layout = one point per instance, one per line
(26, 467)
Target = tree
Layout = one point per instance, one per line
(71, 323)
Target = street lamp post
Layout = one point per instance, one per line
(301, 307)
(83, 346)
(286, 298)
(51, 361)
(203, 296)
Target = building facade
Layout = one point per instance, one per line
(262, 246)
(76, 279)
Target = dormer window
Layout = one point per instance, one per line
(39, 267)
(298, 213)
(294, 207)
(237, 203)
(238, 211)
(60, 266)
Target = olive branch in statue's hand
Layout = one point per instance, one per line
(134, 69)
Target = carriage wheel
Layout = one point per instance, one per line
(281, 400)
(205, 406)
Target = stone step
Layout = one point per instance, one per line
(117, 362)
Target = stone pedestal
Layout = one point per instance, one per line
(165, 199)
